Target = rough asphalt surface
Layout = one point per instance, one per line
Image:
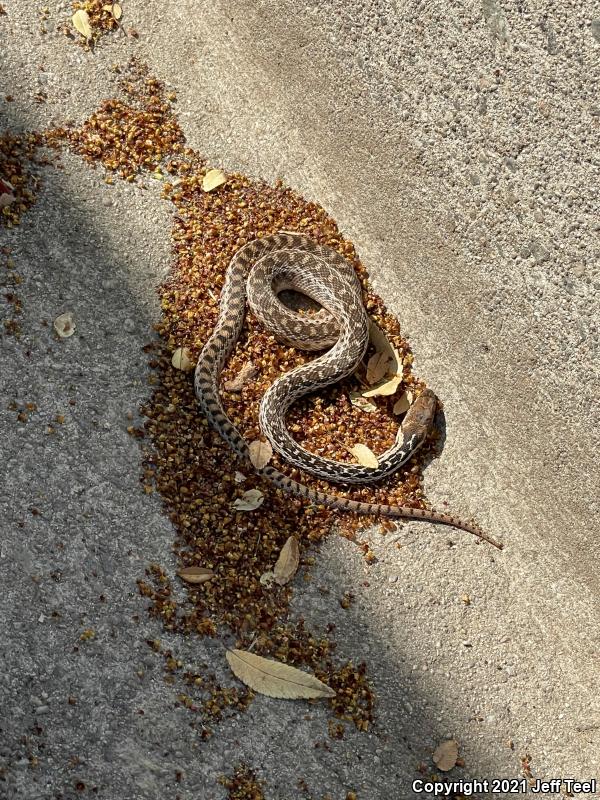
(457, 145)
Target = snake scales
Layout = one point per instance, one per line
(257, 273)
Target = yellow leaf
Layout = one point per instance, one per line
(445, 755)
(382, 345)
(275, 679)
(64, 325)
(287, 563)
(377, 367)
(212, 179)
(260, 453)
(81, 23)
(364, 455)
(249, 501)
(196, 574)
(385, 389)
(114, 9)
(402, 405)
(181, 359)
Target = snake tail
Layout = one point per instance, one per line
(376, 509)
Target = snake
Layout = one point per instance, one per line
(257, 274)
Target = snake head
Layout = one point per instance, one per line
(418, 419)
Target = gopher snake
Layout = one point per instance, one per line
(259, 271)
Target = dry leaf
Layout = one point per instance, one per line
(195, 574)
(287, 563)
(364, 455)
(249, 501)
(382, 345)
(212, 179)
(260, 453)
(445, 755)
(117, 11)
(81, 23)
(181, 359)
(64, 325)
(275, 679)
(377, 367)
(7, 195)
(247, 372)
(239, 477)
(385, 351)
(402, 405)
(384, 389)
(361, 402)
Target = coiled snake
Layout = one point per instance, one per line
(258, 272)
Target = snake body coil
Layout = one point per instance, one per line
(257, 273)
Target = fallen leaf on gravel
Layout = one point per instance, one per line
(114, 9)
(364, 455)
(275, 679)
(181, 359)
(402, 405)
(260, 453)
(81, 23)
(247, 372)
(361, 402)
(445, 755)
(287, 563)
(212, 179)
(385, 389)
(249, 501)
(239, 477)
(382, 345)
(377, 367)
(195, 574)
(64, 325)
(7, 195)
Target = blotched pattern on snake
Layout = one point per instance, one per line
(257, 273)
